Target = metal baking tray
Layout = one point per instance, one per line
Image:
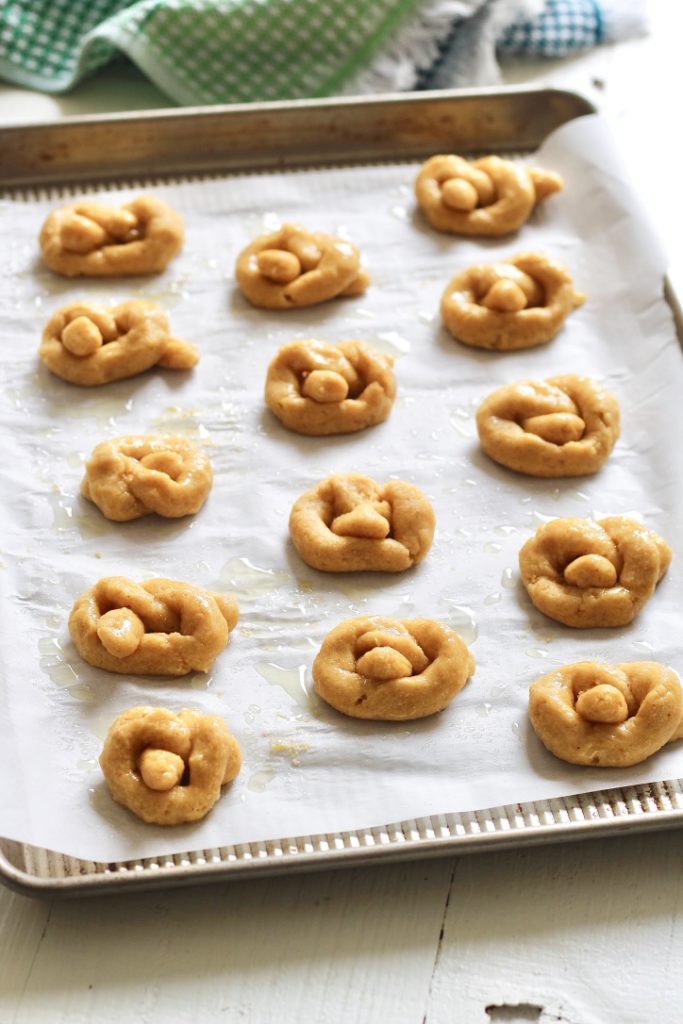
(149, 148)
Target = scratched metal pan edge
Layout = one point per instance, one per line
(299, 134)
(248, 137)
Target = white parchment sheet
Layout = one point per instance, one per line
(306, 768)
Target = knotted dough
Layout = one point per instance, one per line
(518, 303)
(90, 239)
(159, 627)
(607, 716)
(92, 345)
(294, 267)
(490, 196)
(168, 767)
(350, 523)
(391, 669)
(564, 426)
(315, 388)
(589, 574)
(130, 477)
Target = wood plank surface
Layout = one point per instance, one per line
(354, 946)
(588, 933)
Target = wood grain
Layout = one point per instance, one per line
(589, 932)
(355, 946)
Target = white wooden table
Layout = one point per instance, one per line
(582, 934)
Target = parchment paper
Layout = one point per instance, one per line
(307, 769)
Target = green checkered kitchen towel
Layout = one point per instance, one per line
(227, 51)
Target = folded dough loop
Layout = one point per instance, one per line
(350, 523)
(159, 628)
(391, 669)
(315, 388)
(89, 239)
(120, 631)
(562, 427)
(91, 345)
(515, 304)
(490, 196)
(166, 767)
(389, 653)
(608, 716)
(135, 476)
(590, 574)
(292, 268)
(370, 520)
(160, 770)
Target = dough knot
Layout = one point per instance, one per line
(91, 345)
(130, 477)
(166, 767)
(490, 196)
(157, 628)
(590, 574)
(315, 388)
(515, 304)
(609, 716)
(293, 267)
(391, 669)
(562, 427)
(350, 523)
(90, 239)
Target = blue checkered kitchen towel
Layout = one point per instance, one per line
(565, 26)
(225, 51)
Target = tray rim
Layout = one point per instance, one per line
(360, 101)
(130, 875)
(31, 153)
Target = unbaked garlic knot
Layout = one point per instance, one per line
(590, 574)
(130, 477)
(391, 669)
(93, 240)
(316, 388)
(564, 426)
(168, 768)
(490, 196)
(614, 716)
(350, 523)
(518, 303)
(92, 345)
(293, 267)
(159, 627)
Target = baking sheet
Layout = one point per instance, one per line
(306, 768)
